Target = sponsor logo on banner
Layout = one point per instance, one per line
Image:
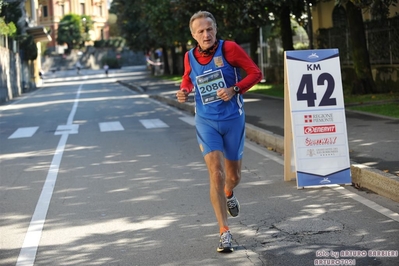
(319, 118)
(308, 118)
(325, 181)
(322, 152)
(311, 152)
(320, 141)
(319, 129)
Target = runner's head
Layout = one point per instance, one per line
(203, 29)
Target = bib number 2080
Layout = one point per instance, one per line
(306, 90)
(212, 87)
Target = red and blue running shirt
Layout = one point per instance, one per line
(220, 70)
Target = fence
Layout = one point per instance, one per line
(15, 76)
(382, 39)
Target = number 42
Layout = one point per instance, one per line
(306, 92)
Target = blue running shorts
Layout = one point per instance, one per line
(226, 136)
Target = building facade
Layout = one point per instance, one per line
(329, 14)
(50, 12)
(331, 29)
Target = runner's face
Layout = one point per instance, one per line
(204, 32)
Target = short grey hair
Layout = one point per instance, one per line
(202, 14)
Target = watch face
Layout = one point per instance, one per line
(236, 89)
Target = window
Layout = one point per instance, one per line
(100, 11)
(339, 17)
(45, 11)
(62, 10)
(82, 9)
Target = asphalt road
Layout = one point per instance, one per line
(94, 174)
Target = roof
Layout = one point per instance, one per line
(39, 33)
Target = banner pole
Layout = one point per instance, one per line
(288, 138)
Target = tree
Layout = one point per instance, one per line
(149, 24)
(132, 23)
(85, 27)
(364, 82)
(73, 31)
(6, 27)
(237, 20)
(28, 48)
(284, 10)
(10, 14)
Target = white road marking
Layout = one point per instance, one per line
(371, 204)
(153, 123)
(188, 119)
(110, 126)
(29, 248)
(67, 129)
(23, 132)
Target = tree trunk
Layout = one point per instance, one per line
(286, 31)
(183, 52)
(310, 24)
(174, 60)
(254, 45)
(364, 82)
(166, 68)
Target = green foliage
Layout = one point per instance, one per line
(380, 33)
(370, 103)
(115, 43)
(132, 24)
(28, 48)
(387, 109)
(11, 12)
(113, 26)
(386, 79)
(275, 90)
(86, 24)
(112, 62)
(7, 29)
(100, 44)
(74, 30)
(147, 24)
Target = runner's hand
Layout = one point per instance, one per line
(182, 96)
(226, 93)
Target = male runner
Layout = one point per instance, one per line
(213, 69)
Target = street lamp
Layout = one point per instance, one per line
(85, 31)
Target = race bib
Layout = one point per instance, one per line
(208, 84)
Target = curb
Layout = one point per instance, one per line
(377, 181)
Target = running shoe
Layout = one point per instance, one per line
(225, 243)
(233, 206)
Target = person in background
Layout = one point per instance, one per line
(212, 69)
(78, 67)
(106, 67)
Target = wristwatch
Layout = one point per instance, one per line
(236, 89)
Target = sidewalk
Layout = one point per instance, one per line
(373, 140)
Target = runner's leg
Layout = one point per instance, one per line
(233, 174)
(214, 162)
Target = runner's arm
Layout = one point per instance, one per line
(186, 83)
(237, 57)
